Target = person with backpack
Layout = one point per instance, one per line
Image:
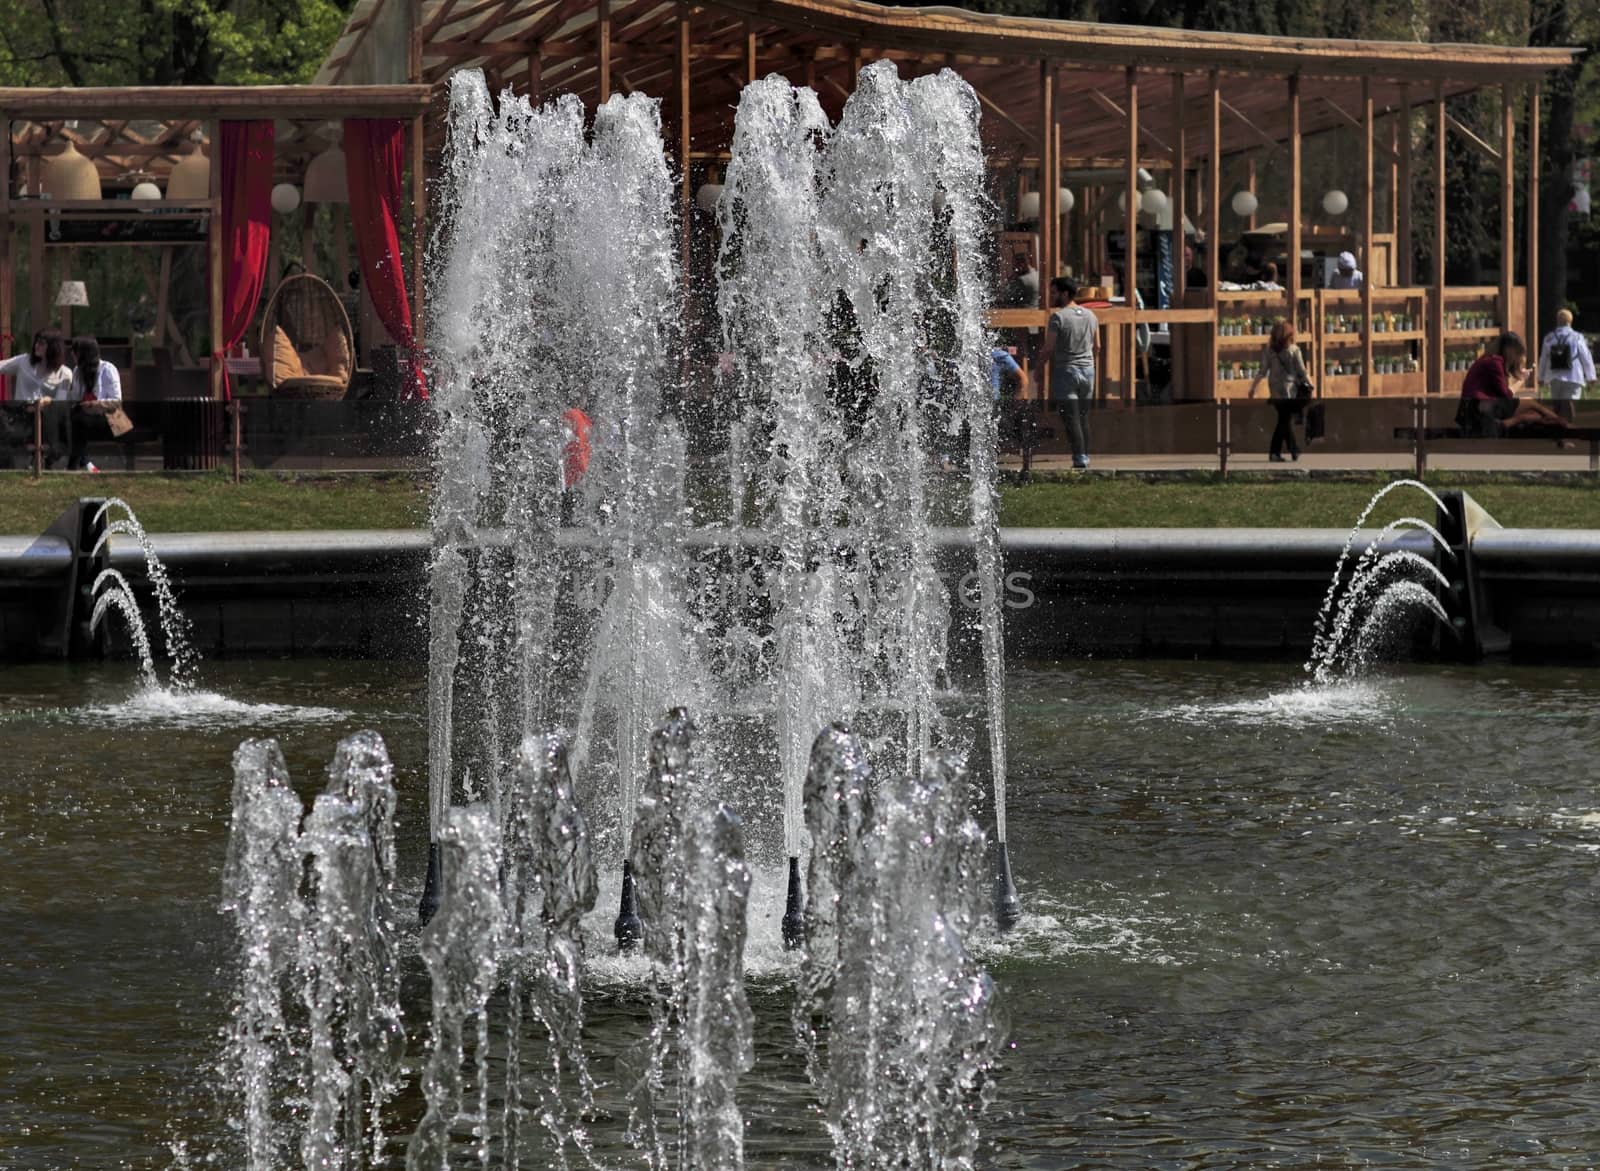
(1289, 384)
(1565, 365)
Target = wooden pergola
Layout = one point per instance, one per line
(1059, 98)
(141, 132)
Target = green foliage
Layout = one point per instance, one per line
(166, 42)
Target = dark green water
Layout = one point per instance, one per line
(1266, 927)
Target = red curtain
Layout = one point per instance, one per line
(245, 155)
(374, 152)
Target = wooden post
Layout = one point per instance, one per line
(602, 32)
(1214, 190)
(7, 267)
(1058, 237)
(1508, 226)
(535, 75)
(1532, 264)
(214, 242)
(419, 232)
(749, 53)
(1130, 224)
(1367, 185)
(164, 323)
(855, 63)
(1291, 280)
(1403, 193)
(1047, 226)
(1180, 201)
(1436, 342)
(36, 295)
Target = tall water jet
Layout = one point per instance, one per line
(461, 947)
(350, 973)
(772, 291)
(548, 885)
(912, 1034)
(261, 890)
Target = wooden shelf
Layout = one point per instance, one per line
(1461, 335)
(1378, 339)
(1252, 340)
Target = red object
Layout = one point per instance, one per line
(244, 153)
(374, 153)
(1486, 379)
(575, 457)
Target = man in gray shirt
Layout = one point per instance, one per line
(1071, 341)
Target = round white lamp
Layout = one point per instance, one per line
(1153, 201)
(1336, 202)
(145, 192)
(707, 197)
(285, 198)
(1245, 204)
(1028, 207)
(1068, 200)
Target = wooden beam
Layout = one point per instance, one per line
(1350, 119)
(1477, 143)
(307, 103)
(1508, 189)
(1367, 177)
(1404, 191)
(1119, 113)
(1291, 279)
(1130, 225)
(1535, 322)
(749, 53)
(1214, 188)
(1441, 121)
(999, 112)
(1265, 138)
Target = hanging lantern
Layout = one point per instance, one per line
(1153, 201)
(145, 192)
(1245, 204)
(707, 198)
(1336, 202)
(285, 198)
(69, 175)
(190, 180)
(327, 181)
(1068, 200)
(1028, 207)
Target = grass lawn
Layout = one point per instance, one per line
(1205, 501)
(205, 502)
(211, 503)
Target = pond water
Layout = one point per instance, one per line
(1266, 926)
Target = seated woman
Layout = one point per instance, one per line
(42, 374)
(94, 384)
(1489, 406)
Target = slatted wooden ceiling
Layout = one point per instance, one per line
(550, 46)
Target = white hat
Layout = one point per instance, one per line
(1347, 261)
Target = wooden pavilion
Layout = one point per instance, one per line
(1107, 110)
(137, 140)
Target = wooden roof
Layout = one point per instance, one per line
(552, 45)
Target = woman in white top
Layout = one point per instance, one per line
(93, 381)
(43, 371)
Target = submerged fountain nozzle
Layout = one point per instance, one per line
(628, 928)
(1007, 907)
(429, 906)
(794, 921)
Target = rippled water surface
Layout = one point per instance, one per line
(1267, 926)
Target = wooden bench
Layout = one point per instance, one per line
(1421, 435)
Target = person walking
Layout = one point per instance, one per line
(1072, 340)
(1289, 385)
(1565, 365)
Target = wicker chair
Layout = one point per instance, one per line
(307, 345)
